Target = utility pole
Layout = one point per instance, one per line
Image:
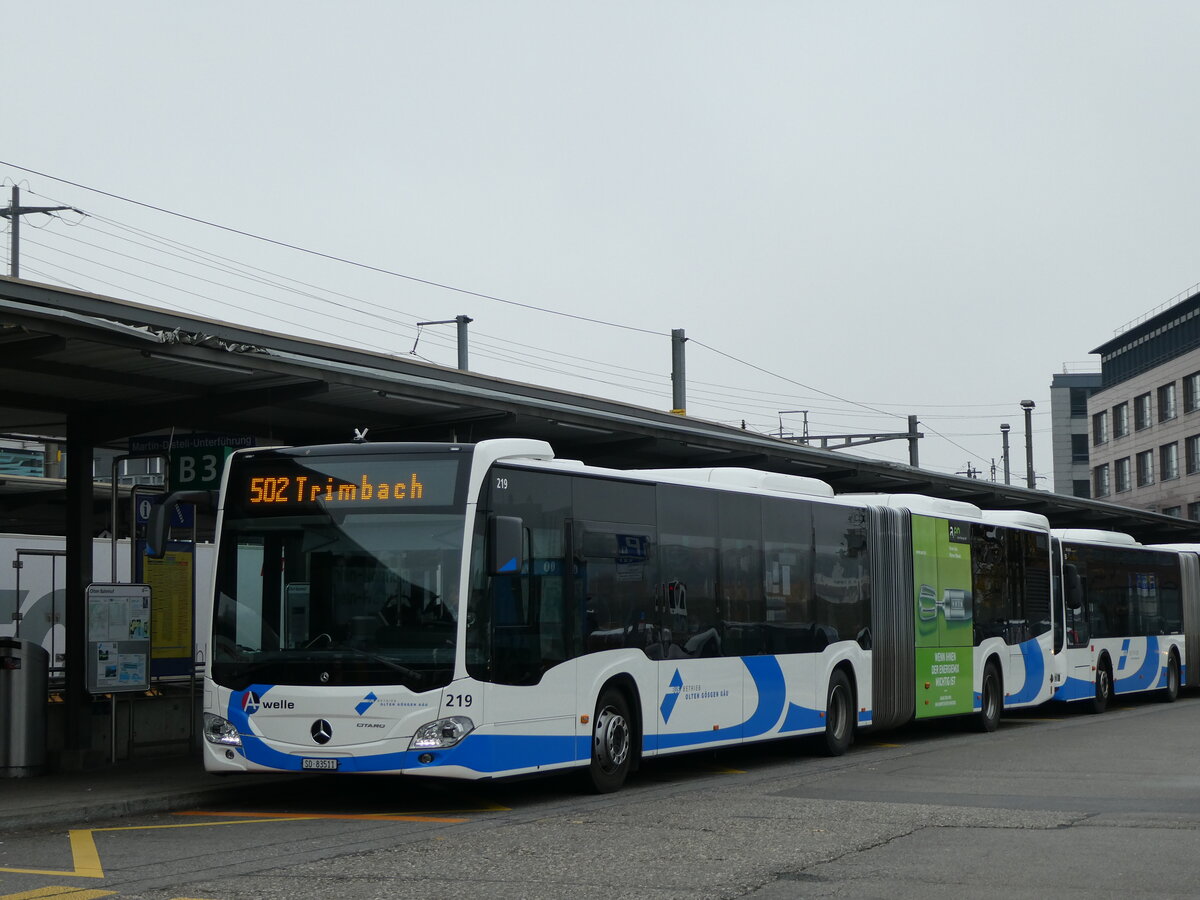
(14, 212)
(1004, 435)
(1028, 406)
(678, 373)
(804, 434)
(853, 440)
(462, 322)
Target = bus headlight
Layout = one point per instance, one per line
(441, 733)
(221, 731)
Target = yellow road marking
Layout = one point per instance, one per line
(285, 817)
(58, 893)
(86, 858)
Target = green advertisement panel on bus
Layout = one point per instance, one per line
(944, 616)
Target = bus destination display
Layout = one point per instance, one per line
(266, 487)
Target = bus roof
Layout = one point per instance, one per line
(920, 504)
(734, 477)
(1016, 517)
(1095, 536)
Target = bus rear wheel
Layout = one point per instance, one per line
(989, 700)
(1104, 687)
(1171, 691)
(612, 743)
(839, 715)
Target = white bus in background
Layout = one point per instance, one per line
(1130, 615)
(33, 573)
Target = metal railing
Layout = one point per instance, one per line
(1177, 299)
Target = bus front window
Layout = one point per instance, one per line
(355, 599)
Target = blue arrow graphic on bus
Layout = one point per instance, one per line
(672, 697)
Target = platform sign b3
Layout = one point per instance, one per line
(198, 468)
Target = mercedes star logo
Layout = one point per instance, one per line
(321, 731)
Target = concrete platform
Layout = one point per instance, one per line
(128, 788)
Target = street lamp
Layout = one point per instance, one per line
(1028, 406)
(1004, 434)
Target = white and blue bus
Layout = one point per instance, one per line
(483, 611)
(1125, 611)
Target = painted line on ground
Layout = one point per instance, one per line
(292, 817)
(86, 858)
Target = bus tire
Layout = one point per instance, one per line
(839, 714)
(1171, 691)
(1104, 686)
(991, 699)
(612, 742)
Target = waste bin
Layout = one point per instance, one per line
(24, 667)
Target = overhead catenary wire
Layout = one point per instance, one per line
(499, 350)
(763, 370)
(329, 256)
(477, 338)
(443, 285)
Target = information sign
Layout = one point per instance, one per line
(118, 638)
(172, 586)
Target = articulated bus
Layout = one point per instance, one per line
(484, 611)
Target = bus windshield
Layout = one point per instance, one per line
(339, 592)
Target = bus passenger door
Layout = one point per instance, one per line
(618, 621)
(530, 694)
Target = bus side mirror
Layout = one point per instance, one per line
(158, 525)
(506, 545)
(1074, 587)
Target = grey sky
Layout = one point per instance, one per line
(920, 207)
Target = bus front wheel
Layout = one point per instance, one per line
(612, 743)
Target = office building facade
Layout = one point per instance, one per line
(1070, 427)
(1144, 421)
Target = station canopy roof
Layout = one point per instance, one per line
(117, 370)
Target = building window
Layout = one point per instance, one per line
(1194, 512)
(1081, 487)
(1191, 450)
(1191, 392)
(1079, 399)
(1141, 412)
(1166, 402)
(1120, 420)
(1100, 480)
(1145, 468)
(1100, 427)
(1079, 448)
(1122, 469)
(1172, 511)
(1168, 458)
